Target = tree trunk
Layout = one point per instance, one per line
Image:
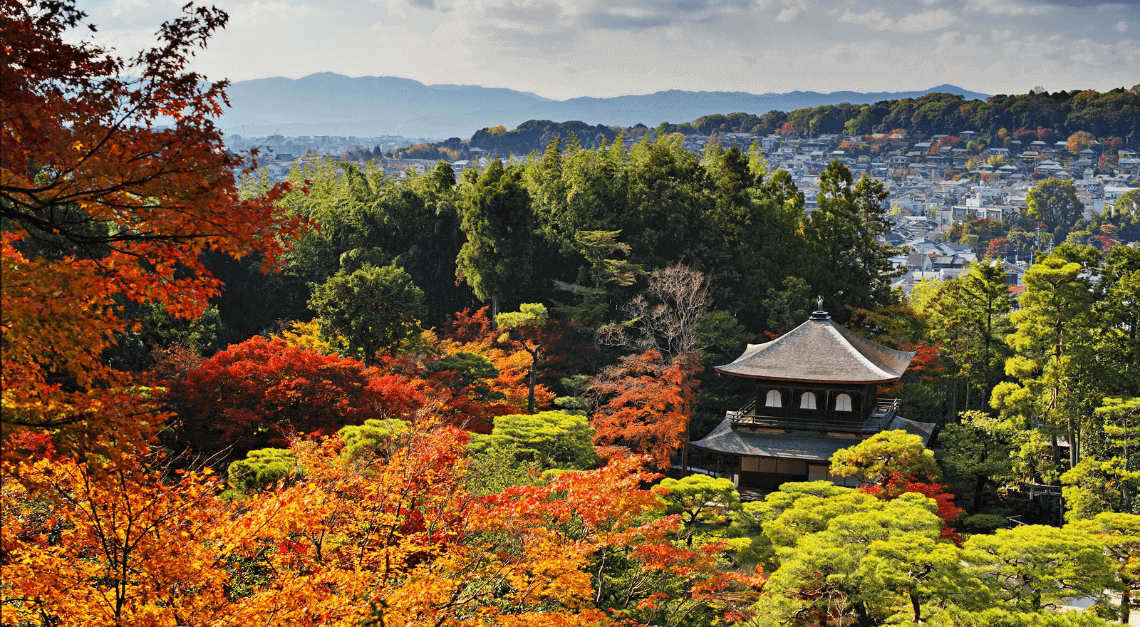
(533, 382)
(1072, 443)
(915, 606)
(1125, 603)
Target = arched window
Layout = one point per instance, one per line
(774, 399)
(807, 401)
(843, 402)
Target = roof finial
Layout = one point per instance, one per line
(819, 303)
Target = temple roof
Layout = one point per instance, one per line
(795, 444)
(820, 351)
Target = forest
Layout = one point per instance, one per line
(346, 399)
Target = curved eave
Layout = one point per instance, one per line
(721, 369)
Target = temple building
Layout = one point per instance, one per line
(817, 391)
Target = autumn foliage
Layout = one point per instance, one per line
(393, 539)
(102, 207)
(643, 406)
(264, 391)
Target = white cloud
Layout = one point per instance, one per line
(911, 23)
(1002, 7)
(567, 48)
(787, 14)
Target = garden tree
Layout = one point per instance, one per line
(843, 232)
(372, 310)
(1033, 567)
(704, 503)
(553, 439)
(525, 328)
(260, 392)
(1054, 364)
(1094, 486)
(111, 542)
(1117, 309)
(969, 317)
(863, 561)
(891, 464)
(472, 372)
(1120, 536)
(1122, 429)
(886, 456)
(1054, 202)
(498, 222)
(101, 207)
(599, 249)
(979, 457)
(261, 468)
(642, 404)
(374, 438)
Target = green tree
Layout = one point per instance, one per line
(525, 327)
(970, 318)
(860, 560)
(706, 504)
(885, 456)
(605, 256)
(1120, 536)
(262, 468)
(851, 266)
(1033, 567)
(979, 456)
(553, 439)
(1122, 430)
(497, 218)
(1054, 364)
(371, 310)
(1054, 202)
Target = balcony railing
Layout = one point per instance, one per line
(880, 416)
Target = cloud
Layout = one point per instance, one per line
(788, 14)
(911, 23)
(1004, 7)
(1120, 27)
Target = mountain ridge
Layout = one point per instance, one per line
(326, 103)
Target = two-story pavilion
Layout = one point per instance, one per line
(817, 391)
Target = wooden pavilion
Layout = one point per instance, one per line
(817, 391)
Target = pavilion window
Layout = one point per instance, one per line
(807, 401)
(774, 399)
(843, 402)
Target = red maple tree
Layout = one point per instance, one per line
(262, 392)
(643, 405)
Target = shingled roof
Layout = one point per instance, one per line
(820, 351)
(795, 444)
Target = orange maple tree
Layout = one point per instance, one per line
(643, 405)
(102, 206)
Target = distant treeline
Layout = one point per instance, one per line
(1106, 115)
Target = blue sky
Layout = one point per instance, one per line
(567, 48)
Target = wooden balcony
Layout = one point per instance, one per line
(748, 419)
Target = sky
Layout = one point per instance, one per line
(568, 48)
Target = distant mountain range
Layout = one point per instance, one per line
(332, 104)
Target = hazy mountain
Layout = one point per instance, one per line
(332, 104)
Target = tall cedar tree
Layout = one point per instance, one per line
(497, 218)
